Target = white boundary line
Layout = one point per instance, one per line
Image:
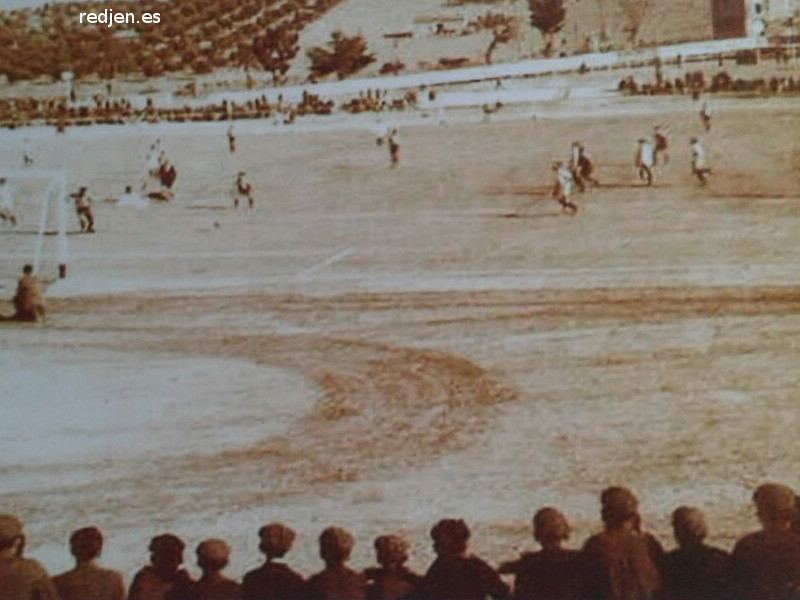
(323, 264)
(39, 244)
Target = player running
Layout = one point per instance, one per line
(700, 168)
(660, 144)
(582, 167)
(643, 160)
(243, 190)
(562, 187)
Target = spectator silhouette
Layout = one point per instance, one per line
(88, 581)
(766, 564)
(20, 578)
(694, 570)
(273, 580)
(163, 578)
(552, 573)
(212, 557)
(337, 581)
(621, 562)
(392, 580)
(454, 575)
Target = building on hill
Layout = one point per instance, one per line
(752, 18)
(729, 18)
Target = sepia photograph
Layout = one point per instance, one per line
(399, 299)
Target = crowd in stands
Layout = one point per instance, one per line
(19, 112)
(102, 110)
(695, 83)
(379, 101)
(621, 562)
(26, 111)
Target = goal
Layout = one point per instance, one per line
(34, 231)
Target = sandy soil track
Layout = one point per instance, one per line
(380, 348)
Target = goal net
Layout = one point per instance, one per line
(34, 219)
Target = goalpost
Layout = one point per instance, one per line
(37, 198)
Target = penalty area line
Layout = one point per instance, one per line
(325, 263)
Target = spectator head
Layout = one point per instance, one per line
(86, 544)
(276, 540)
(450, 537)
(391, 550)
(556, 165)
(619, 505)
(166, 552)
(550, 527)
(2, 180)
(689, 526)
(775, 503)
(10, 531)
(213, 555)
(128, 189)
(693, 140)
(335, 545)
(27, 269)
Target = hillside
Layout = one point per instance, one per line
(274, 35)
(192, 35)
(590, 25)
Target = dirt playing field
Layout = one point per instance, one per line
(380, 348)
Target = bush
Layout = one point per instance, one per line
(344, 56)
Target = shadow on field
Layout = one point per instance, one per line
(632, 186)
(34, 232)
(527, 215)
(717, 195)
(518, 191)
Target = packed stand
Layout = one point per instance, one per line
(101, 110)
(696, 83)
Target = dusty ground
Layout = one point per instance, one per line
(380, 348)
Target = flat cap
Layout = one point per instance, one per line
(690, 522)
(619, 501)
(550, 524)
(336, 540)
(774, 500)
(276, 538)
(87, 537)
(214, 549)
(455, 529)
(167, 543)
(10, 527)
(391, 548)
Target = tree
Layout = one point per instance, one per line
(274, 50)
(344, 56)
(635, 12)
(504, 29)
(548, 17)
